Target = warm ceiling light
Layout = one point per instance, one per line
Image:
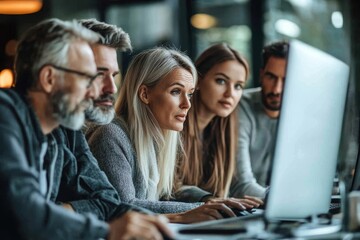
(6, 78)
(203, 21)
(20, 6)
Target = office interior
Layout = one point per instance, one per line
(193, 25)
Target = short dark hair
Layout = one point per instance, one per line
(278, 49)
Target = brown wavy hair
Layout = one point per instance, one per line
(209, 160)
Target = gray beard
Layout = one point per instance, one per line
(99, 115)
(72, 119)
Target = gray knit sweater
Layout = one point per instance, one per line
(255, 144)
(115, 153)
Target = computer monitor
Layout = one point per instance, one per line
(306, 147)
(308, 135)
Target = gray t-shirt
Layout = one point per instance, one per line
(255, 145)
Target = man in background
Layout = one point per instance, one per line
(259, 110)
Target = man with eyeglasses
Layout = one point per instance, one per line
(55, 69)
(79, 184)
(90, 78)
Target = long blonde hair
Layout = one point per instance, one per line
(149, 140)
(209, 160)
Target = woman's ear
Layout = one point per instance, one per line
(47, 79)
(143, 94)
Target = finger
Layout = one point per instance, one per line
(161, 223)
(254, 199)
(248, 203)
(238, 203)
(234, 203)
(221, 207)
(137, 231)
(143, 226)
(213, 200)
(245, 205)
(150, 232)
(213, 214)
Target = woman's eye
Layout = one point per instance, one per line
(239, 86)
(190, 95)
(220, 81)
(175, 92)
(271, 76)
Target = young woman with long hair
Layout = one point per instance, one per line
(210, 131)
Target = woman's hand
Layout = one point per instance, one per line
(208, 211)
(247, 202)
(215, 208)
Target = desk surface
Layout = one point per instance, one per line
(257, 231)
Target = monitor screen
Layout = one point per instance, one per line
(308, 134)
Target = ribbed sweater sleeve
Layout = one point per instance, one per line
(113, 149)
(244, 181)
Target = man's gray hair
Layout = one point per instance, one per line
(112, 35)
(46, 43)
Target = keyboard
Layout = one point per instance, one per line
(238, 212)
(226, 226)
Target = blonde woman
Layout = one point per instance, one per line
(139, 149)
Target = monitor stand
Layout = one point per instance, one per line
(317, 226)
(312, 229)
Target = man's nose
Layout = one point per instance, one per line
(278, 86)
(109, 84)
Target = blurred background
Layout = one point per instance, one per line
(192, 25)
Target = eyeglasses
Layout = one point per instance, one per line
(89, 77)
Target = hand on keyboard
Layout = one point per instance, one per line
(237, 212)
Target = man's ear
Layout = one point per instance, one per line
(47, 79)
(143, 94)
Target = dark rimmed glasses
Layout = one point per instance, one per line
(89, 77)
